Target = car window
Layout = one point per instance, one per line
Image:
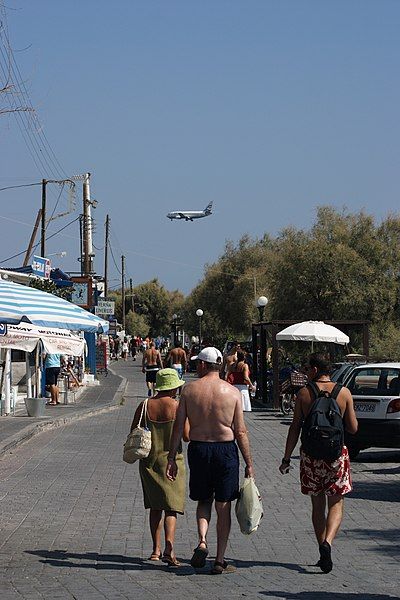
(375, 382)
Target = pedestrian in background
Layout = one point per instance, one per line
(125, 349)
(176, 359)
(52, 364)
(151, 363)
(239, 376)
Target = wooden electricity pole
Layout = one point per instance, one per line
(43, 238)
(123, 290)
(106, 256)
(132, 300)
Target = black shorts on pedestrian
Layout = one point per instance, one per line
(52, 374)
(151, 375)
(214, 471)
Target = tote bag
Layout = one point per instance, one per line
(138, 442)
(249, 508)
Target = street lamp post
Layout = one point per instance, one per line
(262, 302)
(175, 326)
(199, 313)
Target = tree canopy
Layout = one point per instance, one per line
(344, 267)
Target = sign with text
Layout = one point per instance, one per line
(41, 266)
(104, 308)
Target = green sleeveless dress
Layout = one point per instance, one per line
(160, 493)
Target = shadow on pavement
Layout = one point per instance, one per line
(378, 456)
(101, 562)
(247, 564)
(326, 596)
(390, 536)
(383, 491)
(119, 562)
(382, 471)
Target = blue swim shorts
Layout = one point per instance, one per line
(214, 470)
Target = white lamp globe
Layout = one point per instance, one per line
(262, 301)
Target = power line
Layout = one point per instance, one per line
(34, 248)
(13, 187)
(114, 261)
(38, 145)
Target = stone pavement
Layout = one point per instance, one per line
(17, 429)
(73, 526)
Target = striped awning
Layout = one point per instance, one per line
(19, 303)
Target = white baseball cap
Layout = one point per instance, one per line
(209, 355)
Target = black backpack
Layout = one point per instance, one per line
(322, 434)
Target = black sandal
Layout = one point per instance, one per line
(200, 554)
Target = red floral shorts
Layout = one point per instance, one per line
(331, 478)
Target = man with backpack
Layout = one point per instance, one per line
(323, 410)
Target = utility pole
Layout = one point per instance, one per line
(33, 237)
(106, 256)
(87, 228)
(132, 300)
(123, 290)
(43, 239)
(44, 225)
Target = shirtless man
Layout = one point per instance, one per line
(326, 482)
(177, 359)
(214, 410)
(151, 363)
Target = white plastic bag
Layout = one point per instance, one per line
(249, 508)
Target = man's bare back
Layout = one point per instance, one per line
(151, 357)
(177, 356)
(212, 408)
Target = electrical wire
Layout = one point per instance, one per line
(114, 261)
(13, 187)
(36, 245)
(38, 145)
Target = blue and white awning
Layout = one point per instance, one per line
(19, 303)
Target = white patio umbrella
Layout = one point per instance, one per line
(313, 331)
(19, 303)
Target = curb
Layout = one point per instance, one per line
(33, 429)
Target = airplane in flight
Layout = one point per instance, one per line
(189, 215)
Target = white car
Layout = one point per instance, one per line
(376, 394)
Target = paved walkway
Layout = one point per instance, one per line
(15, 430)
(73, 526)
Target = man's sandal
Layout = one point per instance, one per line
(220, 568)
(171, 561)
(200, 554)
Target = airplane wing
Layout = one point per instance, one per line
(182, 215)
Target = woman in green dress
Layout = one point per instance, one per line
(164, 498)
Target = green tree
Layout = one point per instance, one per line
(152, 301)
(136, 324)
(227, 292)
(47, 285)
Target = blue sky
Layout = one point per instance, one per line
(268, 108)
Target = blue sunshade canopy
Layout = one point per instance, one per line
(19, 303)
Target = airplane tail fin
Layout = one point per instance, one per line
(208, 208)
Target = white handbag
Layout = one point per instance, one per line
(138, 442)
(249, 508)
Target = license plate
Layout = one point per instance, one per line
(364, 406)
